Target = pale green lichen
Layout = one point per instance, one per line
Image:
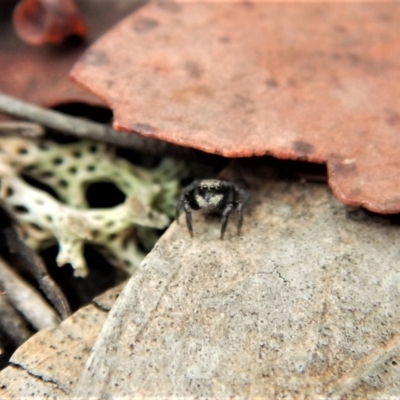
(68, 170)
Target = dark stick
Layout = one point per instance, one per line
(86, 129)
(29, 261)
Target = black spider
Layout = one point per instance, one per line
(214, 196)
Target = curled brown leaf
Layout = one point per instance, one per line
(47, 21)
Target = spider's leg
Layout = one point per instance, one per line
(178, 209)
(184, 198)
(188, 212)
(225, 215)
(239, 216)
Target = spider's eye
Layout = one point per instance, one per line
(204, 187)
(212, 187)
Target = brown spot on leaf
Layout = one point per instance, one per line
(193, 69)
(243, 103)
(225, 39)
(354, 58)
(145, 24)
(392, 117)
(248, 4)
(303, 148)
(272, 83)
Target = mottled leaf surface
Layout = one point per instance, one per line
(311, 81)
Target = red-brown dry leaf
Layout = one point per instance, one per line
(41, 74)
(313, 81)
(48, 21)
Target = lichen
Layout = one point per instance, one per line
(69, 169)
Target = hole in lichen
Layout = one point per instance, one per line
(58, 161)
(49, 218)
(46, 174)
(22, 150)
(126, 241)
(40, 185)
(9, 191)
(93, 148)
(104, 195)
(77, 154)
(63, 183)
(36, 227)
(30, 168)
(20, 209)
(73, 170)
(43, 146)
(91, 168)
(39, 201)
(111, 237)
(109, 224)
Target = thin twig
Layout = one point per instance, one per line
(25, 129)
(26, 299)
(27, 259)
(12, 325)
(86, 129)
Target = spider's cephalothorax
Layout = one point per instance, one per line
(212, 195)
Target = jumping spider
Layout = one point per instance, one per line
(213, 196)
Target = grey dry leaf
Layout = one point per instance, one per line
(304, 303)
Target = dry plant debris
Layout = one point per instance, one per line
(24, 259)
(48, 21)
(48, 365)
(69, 169)
(40, 74)
(310, 81)
(31, 305)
